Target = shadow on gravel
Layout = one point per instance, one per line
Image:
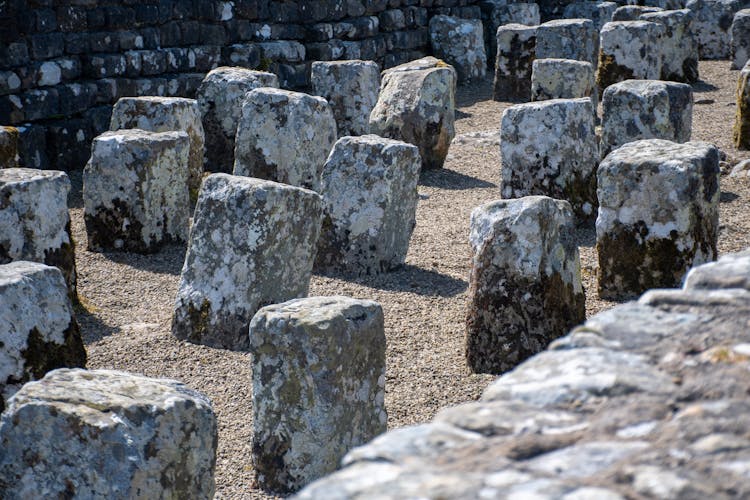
(411, 279)
(444, 178)
(727, 197)
(702, 86)
(92, 328)
(586, 235)
(168, 260)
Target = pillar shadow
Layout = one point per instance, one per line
(411, 279)
(168, 260)
(444, 178)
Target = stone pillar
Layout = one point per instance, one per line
(740, 48)
(370, 197)
(8, 147)
(629, 50)
(633, 12)
(318, 386)
(678, 47)
(284, 136)
(561, 135)
(107, 434)
(742, 117)
(135, 190)
(712, 26)
(252, 244)
(563, 79)
(516, 50)
(220, 98)
(658, 215)
(460, 42)
(568, 39)
(34, 220)
(599, 12)
(525, 288)
(501, 15)
(351, 89)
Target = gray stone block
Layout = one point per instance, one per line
(460, 42)
(678, 46)
(629, 50)
(568, 39)
(516, 51)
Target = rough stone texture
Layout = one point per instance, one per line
(34, 220)
(713, 26)
(220, 97)
(284, 136)
(162, 114)
(370, 197)
(38, 331)
(8, 147)
(516, 51)
(351, 89)
(740, 48)
(460, 42)
(563, 79)
(632, 12)
(107, 434)
(730, 271)
(742, 118)
(252, 244)
(502, 14)
(560, 133)
(629, 50)
(645, 109)
(599, 12)
(525, 287)
(135, 190)
(416, 104)
(646, 400)
(658, 215)
(678, 46)
(568, 39)
(318, 386)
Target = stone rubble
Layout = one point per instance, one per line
(629, 50)
(678, 47)
(515, 54)
(460, 42)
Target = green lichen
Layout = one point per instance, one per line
(198, 321)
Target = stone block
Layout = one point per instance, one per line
(741, 131)
(568, 39)
(162, 114)
(8, 147)
(284, 136)
(38, 331)
(713, 26)
(370, 197)
(599, 12)
(630, 50)
(502, 14)
(563, 79)
(460, 42)
(351, 89)
(34, 220)
(515, 53)
(632, 12)
(135, 190)
(416, 104)
(525, 287)
(678, 46)
(658, 215)
(252, 244)
(645, 109)
(318, 386)
(560, 135)
(220, 98)
(740, 48)
(108, 434)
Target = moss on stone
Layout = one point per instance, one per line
(741, 130)
(610, 72)
(198, 321)
(41, 356)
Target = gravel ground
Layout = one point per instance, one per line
(127, 299)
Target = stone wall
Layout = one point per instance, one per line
(63, 63)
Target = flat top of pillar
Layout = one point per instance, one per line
(645, 86)
(314, 310)
(423, 63)
(282, 95)
(661, 13)
(156, 100)
(17, 175)
(556, 61)
(138, 135)
(220, 182)
(345, 62)
(236, 73)
(516, 27)
(18, 270)
(567, 23)
(373, 140)
(627, 25)
(659, 151)
(549, 103)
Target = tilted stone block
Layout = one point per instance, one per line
(318, 386)
(730, 271)
(645, 109)
(678, 47)
(416, 104)
(8, 147)
(38, 331)
(107, 434)
(713, 26)
(740, 48)
(34, 220)
(599, 12)
(220, 97)
(563, 79)
(525, 287)
(629, 50)
(351, 89)
(284, 136)
(658, 215)
(632, 12)
(501, 15)
(460, 42)
(549, 148)
(516, 51)
(135, 190)
(742, 116)
(568, 39)
(162, 114)
(252, 244)
(370, 200)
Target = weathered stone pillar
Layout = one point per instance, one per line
(516, 50)
(629, 50)
(460, 42)
(632, 12)
(568, 39)
(742, 117)
(502, 13)
(712, 26)
(678, 47)
(563, 79)
(599, 12)
(740, 48)
(8, 147)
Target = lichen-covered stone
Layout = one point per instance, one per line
(107, 434)
(284, 136)
(658, 215)
(8, 147)
(370, 197)
(632, 12)
(568, 39)
(740, 48)
(599, 12)
(741, 130)
(563, 79)
(549, 148)
(34, 220)
(318, 386)
(38, 331)
(713, 26)
(730, 271)
(502, 14)
(525, 288)
(516, 51)
(220, 97)
(135, 190)
(645, 109)
(252, 244)
(162, 114)
(678, 46)
(629, 50)
(351, 89)
(416, 104)
(460, 42)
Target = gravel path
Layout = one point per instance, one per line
(127, 299)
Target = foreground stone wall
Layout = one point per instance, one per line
(63, 64)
